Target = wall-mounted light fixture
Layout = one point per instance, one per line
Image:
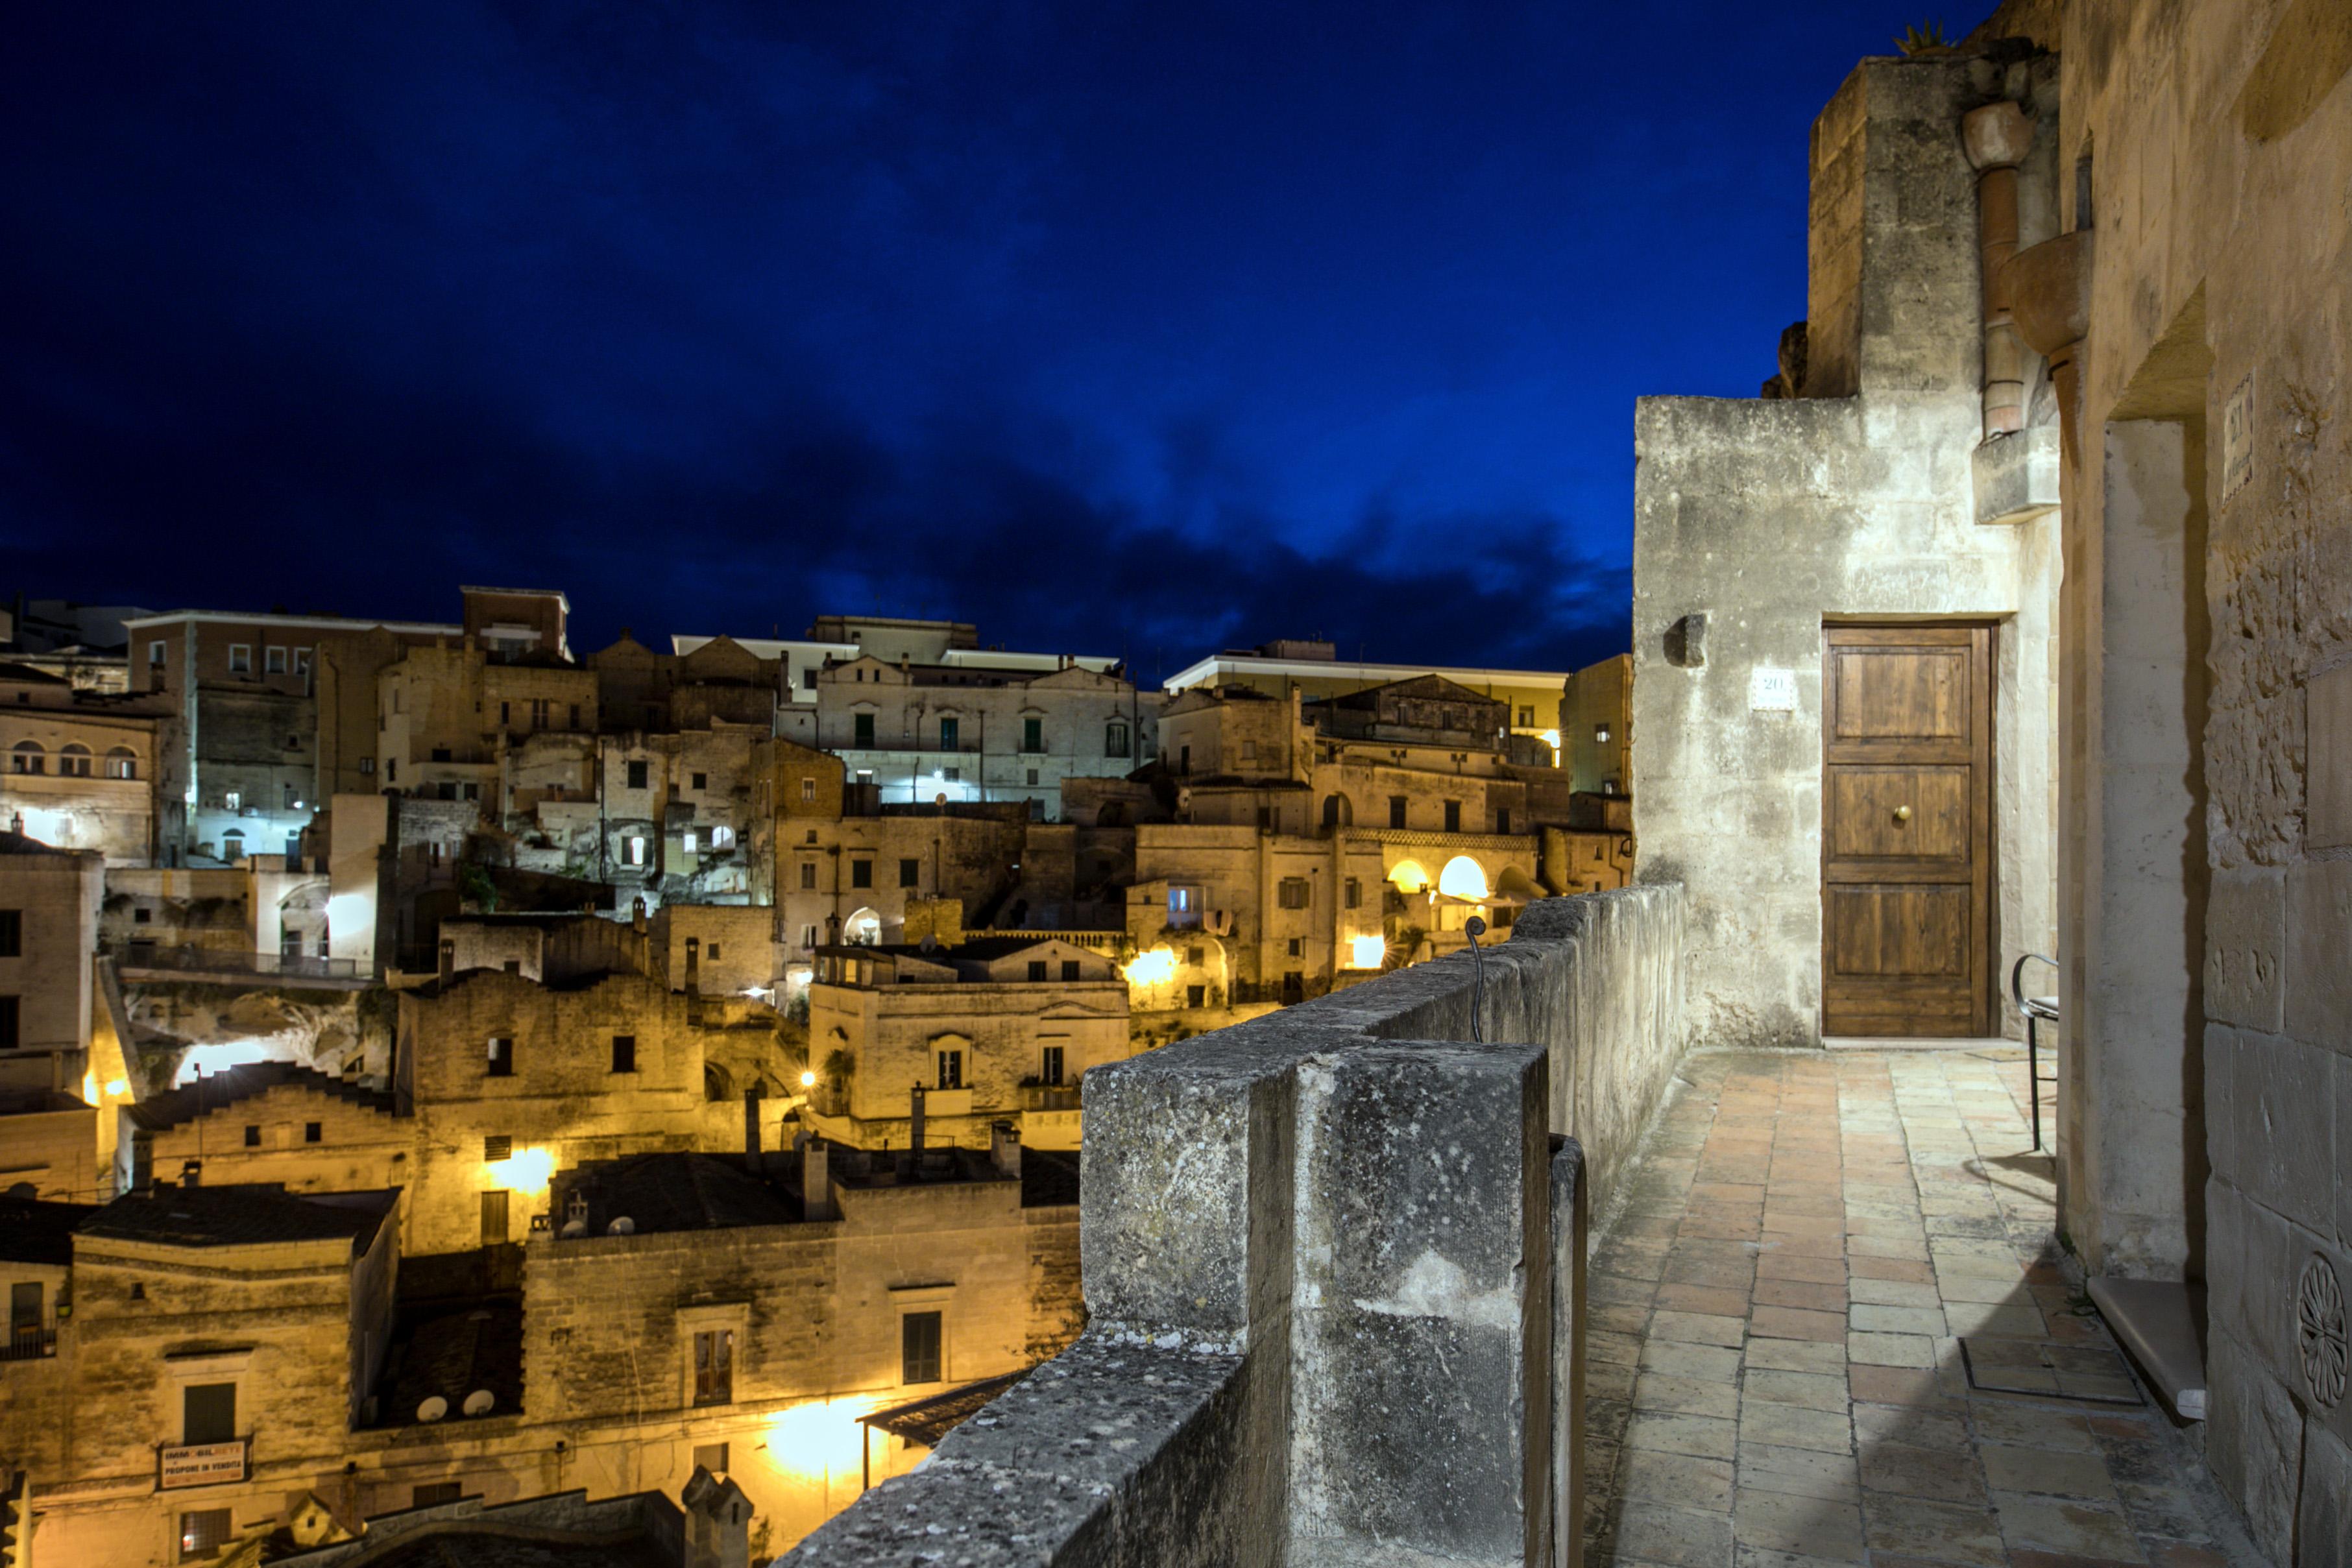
(1600, 734)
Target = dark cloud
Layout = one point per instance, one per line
(1119, 329)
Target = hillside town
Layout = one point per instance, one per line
(560, 1070)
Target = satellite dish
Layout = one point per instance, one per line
(941, 799)
(624, 1226)
(574, 1228)
(479, 1401)
(433, 1409)
(930, 944)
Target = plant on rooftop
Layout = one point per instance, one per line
(1923, 41)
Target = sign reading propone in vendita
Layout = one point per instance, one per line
(199, 1464)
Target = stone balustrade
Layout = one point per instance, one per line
(1333, 1266)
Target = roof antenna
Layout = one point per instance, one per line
(1476, 928)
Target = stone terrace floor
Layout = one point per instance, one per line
(1774, 1376)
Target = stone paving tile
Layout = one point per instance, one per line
(1774, 1379)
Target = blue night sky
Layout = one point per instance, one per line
(1119, 327)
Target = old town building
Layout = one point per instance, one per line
(50, 902)
(941, 1042)
(77, 766)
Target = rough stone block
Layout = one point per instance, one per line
(2220, 1065)
(2245, 948)
(2254, 1445)
(2016, 475)
(2327, 772)
(1421, 1312)
(2284, 1132)
(2318, 982)
(2323, 1530)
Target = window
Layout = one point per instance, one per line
(808, 788)
(12, 933)
(950, 731)
(687, 842)
(808, 875)
(73, 762)
(918, 1348)
(1069, 970)
(1184, 760)
(9, 1035)
(1502, 819)
(712, 1456)
(138, 917)
(910, 874)
(435, 1494)
(1196, 996)
(497, 1146)
(28, 757)
(723, 838)
(808, 679)
(1293, 892)
(636, 850)
(1115, 738)
(1396, 810)
(862, 729)
(699, 780)
(1266, 819)
(575, 715)
(252, 1137)
(313, 1132)
(950, 1068)
(506, 713)
(392, 769)
(625, 1053)
(273, 660)
(240, 658)
(154, 655)
(290, 798)
(1354, 891)
(1454, 816)
(637, 775)
(861, 874)
(539, 713)
(1036, 969)
(1193, 956)
(1032, 735)
(1296, 947)
(808, 936)
(714, 1366)
(494, 1218)
(1527, 718)
(204, 1532)
(1032, 775)
(1050, 1069)
(367, 766)
(1249, 751)
(302, 660)
(122, 764)
(208, 1413)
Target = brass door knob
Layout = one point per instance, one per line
(1902, 813)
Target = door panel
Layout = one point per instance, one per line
(1906, 830)
(1900, 813)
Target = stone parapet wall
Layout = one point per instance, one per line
(1320, 1248)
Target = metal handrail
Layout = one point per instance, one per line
(2035, 1012)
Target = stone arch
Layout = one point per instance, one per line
(1338, 811)
(1408, 877)
(1465, 879)
(862, 929)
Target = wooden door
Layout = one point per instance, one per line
(1906, 830)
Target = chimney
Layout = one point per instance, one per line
(752, 1154)
(816, 1180)
(637, 915)
(449, 960)
(1005, 1149)
(694, 966)
(915, 1142)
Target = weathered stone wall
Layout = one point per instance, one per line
(1767, 517)
(1320, 1248)
(2217, 313)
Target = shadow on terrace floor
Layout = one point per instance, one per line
(1833, 1325)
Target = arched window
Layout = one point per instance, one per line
(233, 845)
(717, 1083)
(73, 760)
(122, 763)
(1406, 876)
(1115, 738)
(1463, 878)
(28, 758)
(862, 929)
(1338, 811)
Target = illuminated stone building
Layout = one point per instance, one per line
(1313, 669)
(50, 902)
(997, 1029)
(78, 766)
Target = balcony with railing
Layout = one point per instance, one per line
(1333, 1264)
(138, 960)
(29, 1343)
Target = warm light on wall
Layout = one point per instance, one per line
(1367, 952)
(1156, 967)
(1408, 877)
(821, 1437)
(525, 1170)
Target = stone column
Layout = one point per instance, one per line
(1996, 139)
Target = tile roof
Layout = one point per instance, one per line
(176, 1107)
(36, 1232)
(927, 1420)
(241, 1217)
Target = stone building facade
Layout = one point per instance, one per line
(78, 766)
(49, 901)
